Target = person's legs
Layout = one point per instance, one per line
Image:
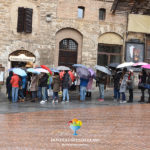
(44, 93)
(67, 95)
(40, 93)
(13, 94)
(118, 94)
(82, 94)
(101, 91)
(123, 96)
(64, 94)
(16, 94)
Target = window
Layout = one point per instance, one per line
(81, 12)
(102, 14)
(24, 20)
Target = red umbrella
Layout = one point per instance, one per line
(61, 74)
(45, 67)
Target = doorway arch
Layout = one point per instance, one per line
(68, 42)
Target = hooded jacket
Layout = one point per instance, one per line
(56, 83)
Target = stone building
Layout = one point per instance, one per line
(60, 32)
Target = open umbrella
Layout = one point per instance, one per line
(45, 67)
(83, 73)
(103, 69)
(32, 70)
(139, 64)
(146, 66)
(113, 65)
(63, 68)
(79, 65)
(125, 64)
(19, 72)
(92, 72)
(41, 70)
(54, 70)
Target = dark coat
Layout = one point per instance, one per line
(8, 84)
(116, 78)
(43, 80)
(102, 79)
(56, 83)
(65, 81)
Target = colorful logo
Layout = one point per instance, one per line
(75, 125)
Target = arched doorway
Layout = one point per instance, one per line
(68, 47)
(20, 58)
(68, 51)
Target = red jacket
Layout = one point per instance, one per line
(15, 80)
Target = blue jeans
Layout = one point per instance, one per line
(101, 91)
(14, 94)
(116, 94)
(123, 96)
(44, 93)
(65, 94)
(21, 93)
(39, 93)
(82, 93)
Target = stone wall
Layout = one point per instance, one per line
(42, 41)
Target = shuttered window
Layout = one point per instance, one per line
(24, 20)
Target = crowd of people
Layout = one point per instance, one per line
(41, 87)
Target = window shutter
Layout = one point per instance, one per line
(20, 24)
(28, 20)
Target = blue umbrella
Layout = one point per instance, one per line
(32, 70)
(83, 73)
(19, 72)
(54, 70)
(79, 65)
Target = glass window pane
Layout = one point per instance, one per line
(109, 48)
(115, 59)
(102, 60)
(80, 12)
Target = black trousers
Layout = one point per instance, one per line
(131, 95)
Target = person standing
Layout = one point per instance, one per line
(43, 83)
(148, 82)
(116, 78)
(65, 86)
(101, 80)
(123, 85)
(15, 87)
(142, 81)
(56, 86)
(130, 83)
(89, 87)
(9, 86)
(83, 85)
(34, 87)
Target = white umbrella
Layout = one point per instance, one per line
(41, 70)
(103, 69)
(62, 68)
(140, 64)
(125, 64)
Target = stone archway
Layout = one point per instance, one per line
(72, 34)
(19, 58)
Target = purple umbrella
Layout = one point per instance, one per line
(83, 73)
(92, 72)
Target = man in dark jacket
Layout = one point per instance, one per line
(8, 85)
(65, 85)
(43, 83)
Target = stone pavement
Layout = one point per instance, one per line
(106, 125)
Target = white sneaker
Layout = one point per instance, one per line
(46, 100)
(67, 101)
(53, 101)
(63, 102)
(56, 101)
(124, 102)
(42, 102)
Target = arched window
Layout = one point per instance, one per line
(102, 14)
(68, 44)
